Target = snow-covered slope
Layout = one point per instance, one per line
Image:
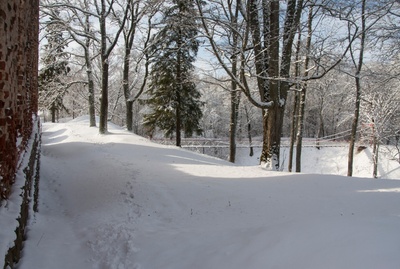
(333, 160)
(119, 201)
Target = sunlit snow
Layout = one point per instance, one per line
(120, 201)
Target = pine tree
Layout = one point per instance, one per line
(173, 97)
(55, 66)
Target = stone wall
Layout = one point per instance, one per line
(24, 199)
(18, 83)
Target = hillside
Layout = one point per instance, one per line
(119, 201)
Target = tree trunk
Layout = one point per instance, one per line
(125, 86)
(234, 115)
(249, 131)
(397, 145)
(104, 73)
(105, 53)
(272, 132)
(234, 90)
(302, 101)
(264, 36)
(375, 156)
(321, 128)
(375, 150)
(92, 110)
(278, 68)
(273, 119)
(358, 93)
(104, 97)
(89, 68)
(129, 115)
(293, 130)
(53, 113)
(354, 129)
(233, 124)
(129, 38)
(178, 121)
(300, 127)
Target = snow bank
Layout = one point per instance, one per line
(16, 210)
(119, 201)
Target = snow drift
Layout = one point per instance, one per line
(119, 201)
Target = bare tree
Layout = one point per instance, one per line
(77, 19)
(264, 55)
(260, 42)
(234, 8)
(294, 114)
(104, 8)
(358, 66)
(302, 99)
(139, 10)
(373, 16)
(380, 107)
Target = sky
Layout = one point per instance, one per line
(120, 201)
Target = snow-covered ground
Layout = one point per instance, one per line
(333, 161)
(118, 201)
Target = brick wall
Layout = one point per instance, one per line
(18, 83)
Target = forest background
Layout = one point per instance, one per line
(266, 70)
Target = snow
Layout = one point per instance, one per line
(333, 160)
(120, 201)
(10, 209)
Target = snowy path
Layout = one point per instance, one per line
(119, 201)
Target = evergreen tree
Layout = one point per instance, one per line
(55, 66)
(173, 97)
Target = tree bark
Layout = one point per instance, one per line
(89, 74)
(375, 150)
(249, 131)
(53, 113)
(375, 157)
(273, 119)
(233, 122)
(293, 130)
(178, 121)
(300, 127)
(302, 101)
(91, 100)
(129, 115)
(104, 96)
(129, 38)
(354, 126)
(278, 73)
(105, 53)
(104, 72)
(234, 90)
(125, 85)
(358, 92)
